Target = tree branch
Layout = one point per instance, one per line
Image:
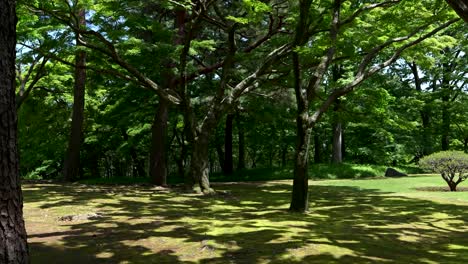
(362, 74)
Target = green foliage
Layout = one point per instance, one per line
(255, 10)
(381, 120)
(452, 166)
(48, 169)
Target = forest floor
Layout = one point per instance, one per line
(350, 221)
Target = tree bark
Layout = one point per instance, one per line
(461, 7)
(228, 160)
(337, 154)
(241, 135)
(198, 178)
(427, 147)
(13, 244)
(317, 147)
(220, 153)
(337, 141)
(157, 165)
(425, 114)
(71, 169)
(300, 193)
(199, 165)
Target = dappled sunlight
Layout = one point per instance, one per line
(246, 224)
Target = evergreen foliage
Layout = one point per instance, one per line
(452, 166)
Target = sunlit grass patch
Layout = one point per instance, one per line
(350, 221)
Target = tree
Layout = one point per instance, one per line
(461, 7)
(13, 244)
(71, 167)
(452, 166)
(338, 22)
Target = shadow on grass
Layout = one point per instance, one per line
(250, 224)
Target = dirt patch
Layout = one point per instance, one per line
(90, 216)
(440, 189)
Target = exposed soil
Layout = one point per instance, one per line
(440, 189)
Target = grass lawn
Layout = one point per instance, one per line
(350, 221)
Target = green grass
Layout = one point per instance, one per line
(115, 181)
(353, 171)
(350, 221)
(316, 171)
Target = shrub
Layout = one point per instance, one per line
(452, 166)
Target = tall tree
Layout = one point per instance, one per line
(13, 244)
(369, 59)
(71, 168)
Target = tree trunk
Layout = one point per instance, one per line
(228, 161)
(241, 135)
(445, 124)
(199, 165)
(337, 154)
(138, 167)
(317, 147)
(426, 126)
(284, 153)
(71, 170)
(220, 153)
(425, 113)
(157, 163)
(337, 141)
(452, 185)
(300, 194)
(198, 178)
(13, 244)
(461, 7)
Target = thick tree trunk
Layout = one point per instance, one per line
(199, 165)
(157, 164)
(13, 244)
(198, 178)
(461, 7)
(71, 169)
(241, 135)
(300, 194)
(452, 185)
(228, 160)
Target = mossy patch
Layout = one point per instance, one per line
(350, 221)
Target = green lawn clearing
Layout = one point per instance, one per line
(350, 221)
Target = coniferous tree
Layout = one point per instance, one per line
(13, 245)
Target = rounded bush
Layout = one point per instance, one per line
(452, 166)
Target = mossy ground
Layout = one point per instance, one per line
(350, 221)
